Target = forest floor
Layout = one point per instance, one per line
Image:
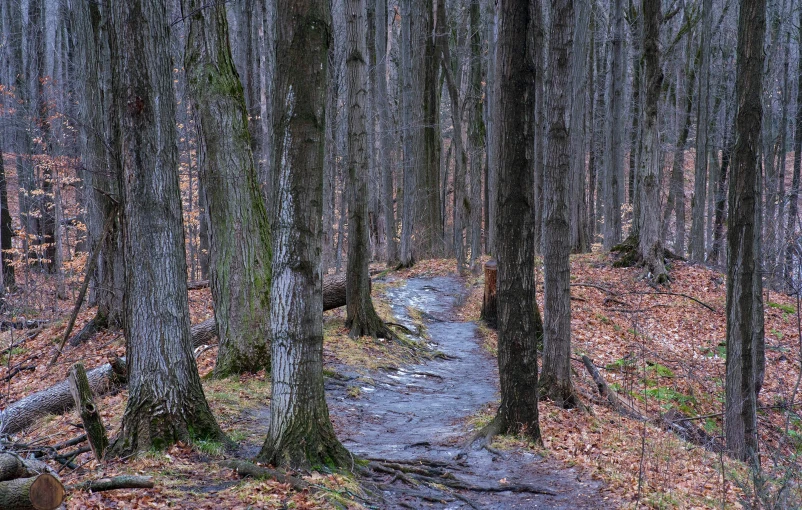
(660, 352)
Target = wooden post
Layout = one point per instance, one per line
(489, 307)
(41, 492)
(93, 424)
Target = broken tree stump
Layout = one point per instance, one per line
(87, 410)
(40, 492)
(489, 303)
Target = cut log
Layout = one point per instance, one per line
(489, 306)
(204, 333)
(57, 399)
(90, 416)
(13, 466)
(115, 482)
(40, 492)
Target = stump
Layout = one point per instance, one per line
(489, 305)
(90, 417)
(41, 492)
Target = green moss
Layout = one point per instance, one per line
(784, 308)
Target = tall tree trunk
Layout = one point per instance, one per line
(775, 253)
(361, 317)
(476, 135)
(412, 118)
(635, 132)
(385, 150)
(491, 108)
(555, 380)
(6, 233)
(538, 42)
(519, 320)
(165, 401)
(239, 235)
(793, 196)
(696, 247)
(744, 285)
(580, 243)
(614, 131)
(300, 433)
(650, 248)
(714, 257)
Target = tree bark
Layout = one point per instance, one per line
(300, 433)
(517, 309)
(165, 400)
(793, 196)
(384, 131)
(239, 232)
(744, 284)
(90, 415)
(476, 134)
(614, 132)
(412, 120)
(361, 317)
(40, 492)
(555, 380)
(580, 241)
(696, 248)
(650, 247)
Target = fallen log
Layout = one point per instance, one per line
(251, 470)
(87, 410)
(40, 492)
(114, 483)
(12, 466)
(204, 333)
(58, 399)
(608, 394)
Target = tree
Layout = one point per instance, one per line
(745, 357)
(361, 317)
(518, 316)
(240, 253)
(555, 381)
(411, 111)
(165, 400)
(300, 432)
(476, 134)
(793, 196)
(580, 237)
(696, 248)
(650, 247)
(614, 131)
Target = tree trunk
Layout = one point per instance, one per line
(793, 197)
(555, 381)
(696, 248)
(239, 233)
(81, 393)
(519, 320)
(411, 110)
(650, 248)
(580, 242)
(384, 131)
(6, 233)
(361, 317)
(476, 135)
(40, 492)
(614, 131)
(744, 285)
(300, 432)
(165, 399)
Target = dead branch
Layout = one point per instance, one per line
(113, 483)
(249, 469)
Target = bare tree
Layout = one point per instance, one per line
(745, 356)
(165, 400)
(614, 130)
(300, 432)
(240, 239)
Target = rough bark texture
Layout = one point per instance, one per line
(476, 135)
(12, 466)
(57, 399)
(411, 121)
(81, 393)
(517, 308)
(580, 240)
(489, 299)
(790, 270)
(300, 432)
(165, 400)
(238, 226)
(614, 131)
(384, 132)
(696, 247)
(744, 285)
(6, 233)
(650, 247)
(360, 316)
(40, 492)
(555, 379)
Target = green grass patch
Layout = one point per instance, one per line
(780, 306)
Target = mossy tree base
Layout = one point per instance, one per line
(310, 445)
(562, 395)
(630, 256)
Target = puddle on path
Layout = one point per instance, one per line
(420, 411)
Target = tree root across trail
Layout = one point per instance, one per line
(410, 423)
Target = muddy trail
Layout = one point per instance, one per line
(415, 420)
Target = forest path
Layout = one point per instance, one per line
(422, 411)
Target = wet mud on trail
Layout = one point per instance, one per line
(415, 420)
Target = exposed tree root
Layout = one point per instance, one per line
(251, 470)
